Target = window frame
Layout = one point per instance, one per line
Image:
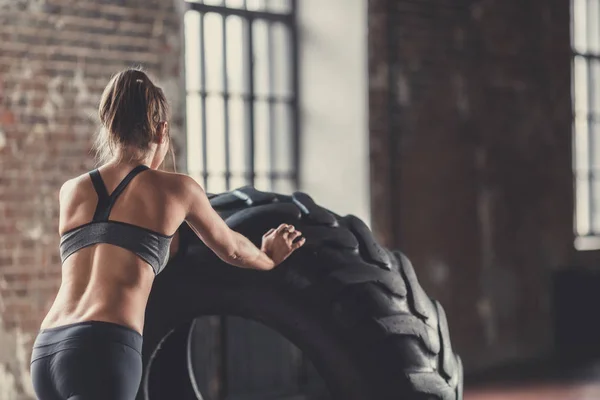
(586, 177)
(249, 17)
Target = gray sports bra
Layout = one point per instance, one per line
(150, 246)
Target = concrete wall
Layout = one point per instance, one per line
(470, 120)
(55, 58)
(333, 104)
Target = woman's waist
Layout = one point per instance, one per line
(114, 304)
(95, 282)
(85, 335)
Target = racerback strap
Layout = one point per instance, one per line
(106, 202)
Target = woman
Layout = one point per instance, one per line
(117, 224)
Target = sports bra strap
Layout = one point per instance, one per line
(103, 198)
(106, 202)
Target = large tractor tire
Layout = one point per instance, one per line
(354, 308)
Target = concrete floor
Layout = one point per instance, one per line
(583, 391)
(545, 380)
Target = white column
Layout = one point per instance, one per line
(334, 152)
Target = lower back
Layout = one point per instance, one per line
(102, 283)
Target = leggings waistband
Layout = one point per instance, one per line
(90, 332)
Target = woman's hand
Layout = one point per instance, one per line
(229, 245)
(279, 243)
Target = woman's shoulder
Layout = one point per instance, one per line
(176, 182)
(71, 187)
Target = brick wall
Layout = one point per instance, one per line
(55, 58)
(471, 170)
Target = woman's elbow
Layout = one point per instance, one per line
(227, 252)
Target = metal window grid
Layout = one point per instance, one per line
(585, 34)
(250, 17)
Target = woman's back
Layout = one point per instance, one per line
(106, 282)
(117, 228)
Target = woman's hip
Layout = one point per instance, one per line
(88, 359)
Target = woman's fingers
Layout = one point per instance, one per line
(293, 235)
(285, 230)
(298, 244)
(282, 228)
(269, 232)
(289, 234)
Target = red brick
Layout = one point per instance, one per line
(7, 118)
(95, 41)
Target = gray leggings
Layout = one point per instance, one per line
(87, 361)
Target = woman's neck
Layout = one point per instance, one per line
(130, 158)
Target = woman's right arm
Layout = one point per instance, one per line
(230, 246)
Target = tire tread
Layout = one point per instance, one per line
(364, 285)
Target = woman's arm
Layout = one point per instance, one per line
(229, 245)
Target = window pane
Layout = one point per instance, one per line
(283, 139)
(262, 182)
(236, 62)
(595, 201)
(582, 198)
(580, 83)
(594, 146)
(282, 60)
(237, 136)
(256, 5)
(261, 61)
(594, 89)
(284, 186)
(216, 183)
(235, 3)
(593, 26)
(238, 181)
(192, 50)
(194, 134)
(579, 26)
(215, 143)
(213, 44)
(261, 137)
(582, 161)
(279, 6)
